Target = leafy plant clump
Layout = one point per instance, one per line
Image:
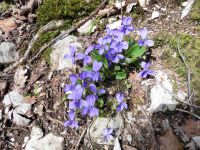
(64, 9)
(108, 60)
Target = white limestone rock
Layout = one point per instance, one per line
(88, 27)
(48, 142)
(100, 124)
(8, 52)
(60, 49)
(19, 108)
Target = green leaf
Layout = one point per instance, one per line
(96, 56)
(100, 103)
(105, 63)
(136, 51)
(120, 75)
(117, 68)
(130, 60)
(88, 68)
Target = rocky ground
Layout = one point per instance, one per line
(163, 111)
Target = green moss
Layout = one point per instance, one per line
(46, 37)
(46, 55)
(190, 48)
(4, 6)
(195, 15)
(64, 9)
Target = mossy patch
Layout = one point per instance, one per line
(46, 55)
(190, 48)
(195, 15)
(4, 6)
(64, 9)
(46, 37)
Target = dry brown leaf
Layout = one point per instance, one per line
(8, 25)
(169, 141)
(192, 128)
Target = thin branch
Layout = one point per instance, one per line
(80, 138)
(185, 111)
(66, 33)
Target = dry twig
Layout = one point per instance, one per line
(80, 138)
(185, 111)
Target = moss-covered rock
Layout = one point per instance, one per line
(190, 48)
(64, 9)
(195, 15)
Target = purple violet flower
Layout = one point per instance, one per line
(145, 41)
(86, 59)
(69, 87)
(126, 27)
(122, 104)
(76, 93)
(71, 56)
(89, 106)
(107, 134)
(102, 45)
(117, 58)
(145, 72)
(71, 122)
(119, 46)
(76, 104)
(73, 78)
(93, 89)
(85, 75)
(96, 67)
(89, 49)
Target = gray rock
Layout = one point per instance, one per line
(144, 3)
(1, 114)
(8, 53)
(164, 86)
(19, 107)
(196, 140)
(48, 142)
(88, 27)
(60, 49)
(100, 124)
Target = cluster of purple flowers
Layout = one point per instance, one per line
(83, 91)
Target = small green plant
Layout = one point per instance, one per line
(107, 61)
